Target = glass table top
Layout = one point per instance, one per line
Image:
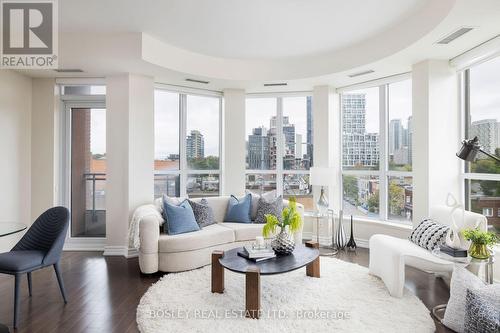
(8, 228)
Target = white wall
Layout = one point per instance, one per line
(130, 154)
(233, 170)
(15, 142)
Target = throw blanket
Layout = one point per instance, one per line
(139, 214)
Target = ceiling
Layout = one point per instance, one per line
(241, 29)
(243, 44)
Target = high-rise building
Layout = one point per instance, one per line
(409, 133)
(309, 138)
(395, 135)
(487, 132)
(360, 147)
(195, 145)
(258, 149)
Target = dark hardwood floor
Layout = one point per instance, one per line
(104, 292)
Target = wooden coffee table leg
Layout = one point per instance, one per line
(217, 272)
(313, 269)
(252, 293)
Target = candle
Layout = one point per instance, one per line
(260, 241)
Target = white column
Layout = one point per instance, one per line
(327, 150)
(130, 154)
(44, 146)
(436, 136)
(233, 156)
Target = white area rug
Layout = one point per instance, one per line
(345, 299)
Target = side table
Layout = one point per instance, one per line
(475, 266)
(318, 216)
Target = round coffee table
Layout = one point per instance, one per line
(302, 256)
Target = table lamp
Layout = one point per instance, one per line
(470, 148)
(320, 176)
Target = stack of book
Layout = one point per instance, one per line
(453, 252)
(256, 255)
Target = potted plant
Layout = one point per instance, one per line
(291, 222)
(480, 240)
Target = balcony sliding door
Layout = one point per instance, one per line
(88, 172)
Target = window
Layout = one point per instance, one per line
(400, 131)
(188, 166)
(280, 146)
(376, 146)
(481, 106)
(82, 90)
(488, 212)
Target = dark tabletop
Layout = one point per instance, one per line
(300, 257)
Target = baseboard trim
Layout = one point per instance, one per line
(115, 251)
(325, 241)
(87, 244)
(123, 251)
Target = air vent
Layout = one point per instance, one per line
(362, 73)
(454, 35)
(275, 84)
(68, 70)
(197, 81)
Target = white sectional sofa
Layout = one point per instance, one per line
(174, 253)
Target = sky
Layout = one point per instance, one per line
(202, 115)
(260, 110)
(399, 104)
(485, 90)
(98, 131)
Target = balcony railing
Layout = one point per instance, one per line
(94, 178)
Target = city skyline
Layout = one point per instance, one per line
(297, 131)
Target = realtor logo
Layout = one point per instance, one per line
(29, 34)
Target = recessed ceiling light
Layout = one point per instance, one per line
(68, 70)
(197, 81)
(275, 84)
(454, 35)
(362, 73)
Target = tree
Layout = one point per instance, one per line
(489, 187)
(373, 202)
(205, 163)
(396, 199)
(351, 187)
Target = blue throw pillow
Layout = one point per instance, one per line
(179, 219)
(239, 210)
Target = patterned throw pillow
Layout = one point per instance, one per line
(461, 281)
(203, 213)
(482, 310)
(270, 195)
(429, 234)
(273, 207)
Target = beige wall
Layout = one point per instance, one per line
(44, 146)
(15, 142)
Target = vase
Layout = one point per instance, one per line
(351, 244)
(283, 244)
(479, 251)
(341, 237)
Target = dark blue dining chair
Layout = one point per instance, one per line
(40, 247)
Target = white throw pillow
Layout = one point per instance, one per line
(461, 280)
